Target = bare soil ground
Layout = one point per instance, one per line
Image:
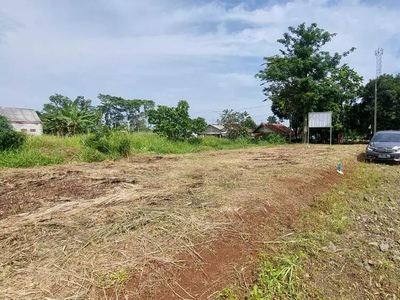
(176, 227)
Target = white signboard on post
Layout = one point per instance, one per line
(320, 120)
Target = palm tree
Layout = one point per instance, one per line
(63, 116)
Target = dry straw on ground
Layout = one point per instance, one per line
(86, 231)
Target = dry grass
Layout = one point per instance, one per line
(90, 230)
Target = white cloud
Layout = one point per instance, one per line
(169, 50)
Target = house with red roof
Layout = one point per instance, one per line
(268, 128)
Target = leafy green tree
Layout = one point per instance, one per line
(361, 114)
(249, 123)
(236, 123)
(174, 122)
(62, 116)
(10, 139)
(272, 119)
(120, 112)
(199, 125)
(304, 78)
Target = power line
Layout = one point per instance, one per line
(237, 109)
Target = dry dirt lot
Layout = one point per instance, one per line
(173, 227)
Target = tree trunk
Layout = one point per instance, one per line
(341, 137)
(305, 128)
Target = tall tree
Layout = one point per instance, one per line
(175, 122)
(303, 77)
(272, 119)
(120, 112)
(63, 116)
(388, 113)
(236, 123)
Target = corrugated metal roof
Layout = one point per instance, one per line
(20, 115)
(219, 127)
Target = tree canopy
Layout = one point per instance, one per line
(236, 123)
(120, 112)
(175, 122)
(64, 116)
(304, 78)
(359, 116)
(272, 119)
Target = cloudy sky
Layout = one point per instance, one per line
(206, 52)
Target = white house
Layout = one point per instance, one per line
(23, 119)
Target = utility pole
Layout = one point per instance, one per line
(378, 55)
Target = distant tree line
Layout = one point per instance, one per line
(63, 116)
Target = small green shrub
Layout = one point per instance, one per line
(90, 155)
(10, 139)
(124, 147)
(195, 141)
(272, 138)
(99, 142)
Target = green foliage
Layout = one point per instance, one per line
(26, 158)
(119, 277)
(107, 142)
(304, 78)
(49, 150)
(226, 294)
(272, 119)
(98, 142)
(123, 113)
(199, 125)
(10, 139)
(90, 155)
(237, 124)
(174, 122)
(249, 123)
(62, 116)
(277, 279)
(360, 117)
(272, 138)
(5, 124)
(124, 147)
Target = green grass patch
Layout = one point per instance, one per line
(277, 278)
(51, 150)
(331, 245)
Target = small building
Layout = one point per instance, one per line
(268, 128)
(215, 130)
(23, 119)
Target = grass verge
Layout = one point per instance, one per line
(345, 246)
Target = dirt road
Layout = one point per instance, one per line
(174, 227)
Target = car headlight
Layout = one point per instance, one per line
(369, 148)
(396, 149)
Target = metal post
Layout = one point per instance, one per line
(375, 103)
(308, 129)
(331, 136)
(378, 54)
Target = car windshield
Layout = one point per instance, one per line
(386, 138)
